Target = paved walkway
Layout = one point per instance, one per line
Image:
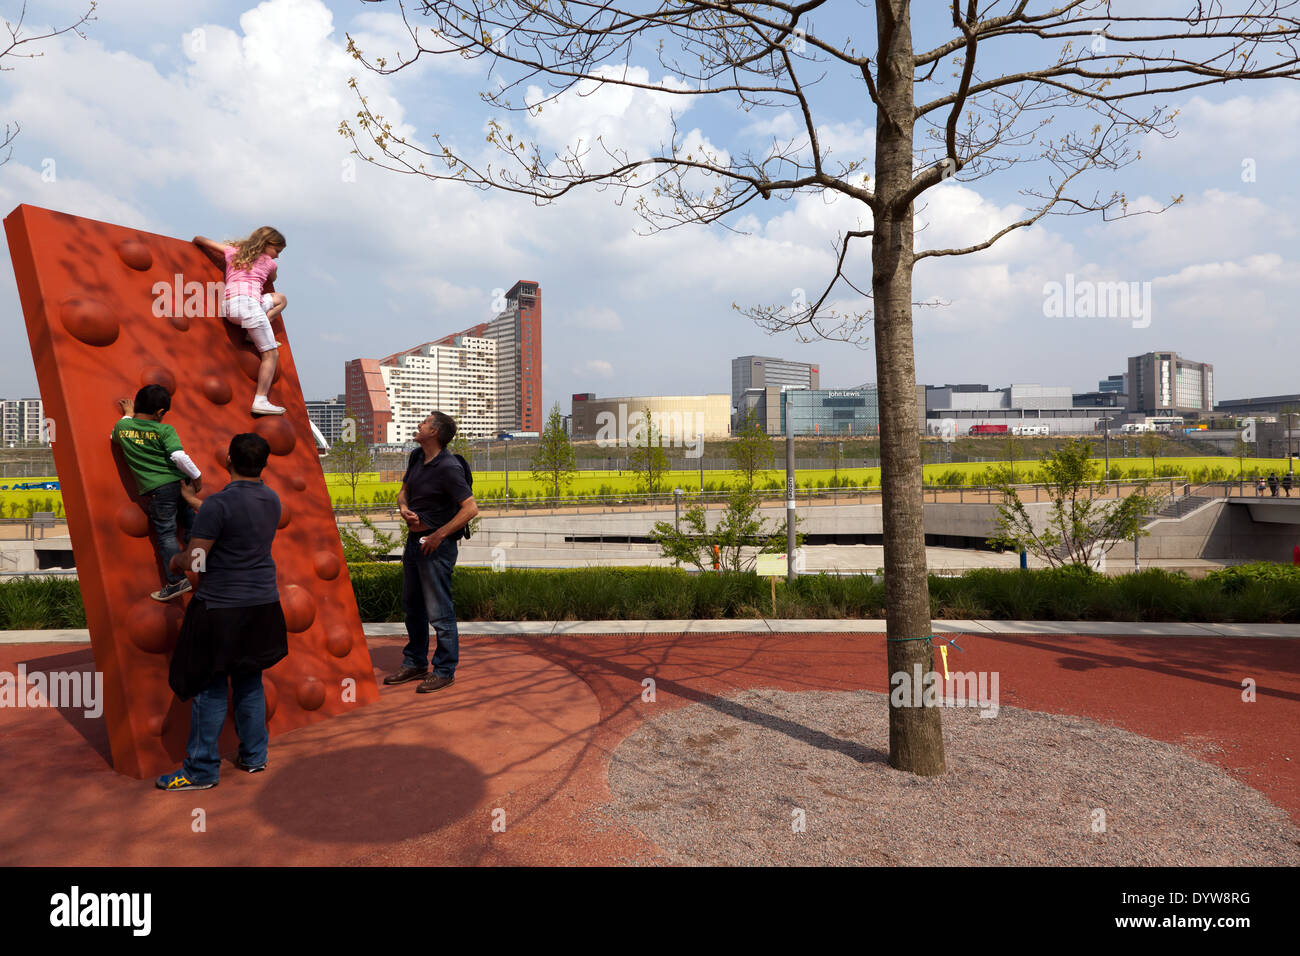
(778, 626)
(525, 735)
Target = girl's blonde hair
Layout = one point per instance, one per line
(252, 247)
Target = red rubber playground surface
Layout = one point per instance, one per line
(528, 727)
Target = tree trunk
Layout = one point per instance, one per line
(915, 731)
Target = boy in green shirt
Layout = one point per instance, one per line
(153, 453)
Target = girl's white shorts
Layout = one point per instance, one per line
(250, 314)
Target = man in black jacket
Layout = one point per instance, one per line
(436, 502)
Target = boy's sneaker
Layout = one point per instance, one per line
(172, 590)
(240, 765)
(262, 406)
(178, 781)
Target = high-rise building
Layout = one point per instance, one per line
(517, 330)
(1161, 383)
(762, 371)
(328, 416)
(367, 398)
(21, 420)
(1114, 383)
(459, 378)
(488, 377)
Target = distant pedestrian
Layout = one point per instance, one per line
(1259, 487)
(1286, 484)
(1272, 484)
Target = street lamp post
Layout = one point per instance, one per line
(1105, 424)
(677, 516)
(507, 440)
(1290, 456)
(790, 572)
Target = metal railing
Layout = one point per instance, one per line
(1246, 488)
(769, 498)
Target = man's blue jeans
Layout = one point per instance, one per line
(208, 716)
(167, 509)
(426, 598)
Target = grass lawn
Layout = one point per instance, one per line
(16, 503)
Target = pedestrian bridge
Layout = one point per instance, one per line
(1270, 510)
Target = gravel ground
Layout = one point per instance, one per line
(721, 784)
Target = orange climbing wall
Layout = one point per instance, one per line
(92, 309)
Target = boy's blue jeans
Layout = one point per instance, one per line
(208, 716)
(167, 509)
(426, 598)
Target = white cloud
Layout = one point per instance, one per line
(23, 184)
(1254, 268)
(1215, 136)
(597, 317)
(624, 118)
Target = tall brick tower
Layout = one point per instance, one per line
(524, 302)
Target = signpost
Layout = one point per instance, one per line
(772, 566)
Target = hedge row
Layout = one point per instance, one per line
(1249, 593)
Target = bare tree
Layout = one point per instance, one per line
(16, 46)
(1100, 63)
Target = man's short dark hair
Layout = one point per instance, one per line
(445, 427)
(248, 454)
(151, 400)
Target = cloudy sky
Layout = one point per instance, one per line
(213, 117)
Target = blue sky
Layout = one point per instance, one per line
(149, 127)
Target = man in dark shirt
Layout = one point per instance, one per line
(234, 626)
(436, 502)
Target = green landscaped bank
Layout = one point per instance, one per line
(490, 485)
(1259, 593)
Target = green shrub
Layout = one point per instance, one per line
(1246, 593)
(41, 603)
(1235, 579)
(378, 588)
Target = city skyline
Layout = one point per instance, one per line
(376, 261)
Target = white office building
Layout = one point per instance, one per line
(20, 421)
(1016, 406)
(460, 379)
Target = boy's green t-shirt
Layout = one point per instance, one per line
(147, 447)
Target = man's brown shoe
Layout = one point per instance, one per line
(407, 674)
(434, 682)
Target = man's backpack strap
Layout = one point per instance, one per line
(469, 480)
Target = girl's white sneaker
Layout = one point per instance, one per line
(261, 406)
